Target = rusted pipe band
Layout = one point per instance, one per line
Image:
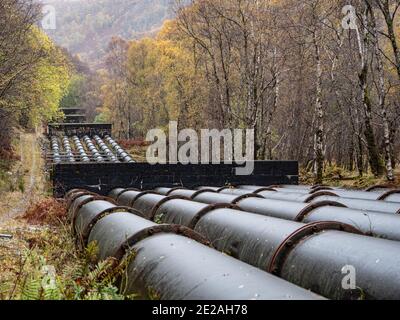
(378, 186)
(105, 213)
(292, 240)
(84, 202)
(207, 210)
(125, 190)
(246, 196)
(160, 203)
(320, 189)
(194, 195)
(303, 213)
(388, 193)
(319, 194)
(161, 228)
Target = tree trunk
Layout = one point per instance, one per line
(319, 111)
(374, 162)
(382, 99)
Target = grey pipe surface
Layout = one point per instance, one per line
(166, 265)
(260, 241)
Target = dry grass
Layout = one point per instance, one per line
(338, 177)
(47, 211)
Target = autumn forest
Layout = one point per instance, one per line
(317, 80)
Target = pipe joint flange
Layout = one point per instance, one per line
(132, 203)
(246, 196)
(320, 194)
(72, 198)
(388, 193)
(311, 207)
(194, 195)
(123, 191)
(72, 191)
(175, 189)
(284, 249)
(265, 189)
(162, 228)
(225, 188)
(85, 202)
(378, 186)
(103, 214)
(208, 209)
(319, 186)
(154, 210)
(317, 189)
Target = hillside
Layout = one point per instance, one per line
(85, 27)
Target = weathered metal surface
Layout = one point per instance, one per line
(159, 252)
(360, 204)
(320, 265)
(372, 223)
(170, 267)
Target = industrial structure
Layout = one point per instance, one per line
(201, 232)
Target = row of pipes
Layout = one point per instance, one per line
(79, 147)
(307, 245)
(95, 155)
(169, 261)
(120, 151)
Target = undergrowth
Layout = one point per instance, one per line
(46, 265)
(339, 177)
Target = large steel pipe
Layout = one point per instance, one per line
(318, 264)
(386, 195)
(164, 264)
(264, 242)
(359, 204)
(376, 224)
(170, 267)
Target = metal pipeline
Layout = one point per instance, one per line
(167, 261)
(120, 151)
(92, 148)
(110, 156)
(376, 224)
(69, 156)
(386, 195)
(82, 153)
(55, 147)
(267, 243)
(359, 204)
